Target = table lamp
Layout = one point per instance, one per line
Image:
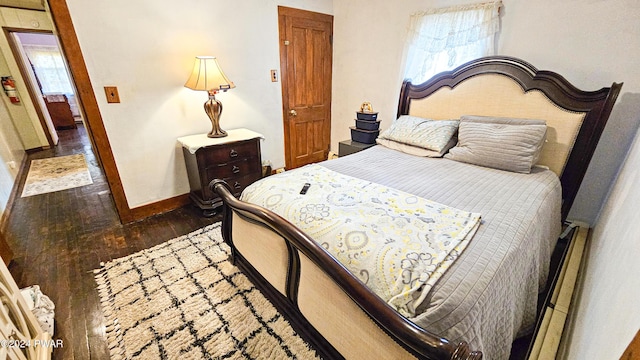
(207, 75)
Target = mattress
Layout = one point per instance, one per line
(489, 295)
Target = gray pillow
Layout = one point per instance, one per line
(501, 120)
(499, 143)
(429, 134)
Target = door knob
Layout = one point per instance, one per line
(293, 112)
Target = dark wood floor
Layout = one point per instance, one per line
(59, 238)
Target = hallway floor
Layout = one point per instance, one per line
(59, 238)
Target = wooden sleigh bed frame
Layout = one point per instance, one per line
(324, 302)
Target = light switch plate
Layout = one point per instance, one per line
(112, 94)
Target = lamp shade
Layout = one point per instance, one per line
(207, 75)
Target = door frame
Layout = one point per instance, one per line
(282, 13)
(70, 46)
(34, 94)
(93, 119)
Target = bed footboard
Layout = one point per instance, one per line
(330, 308)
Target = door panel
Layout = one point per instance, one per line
(300, 136)
(305, 56)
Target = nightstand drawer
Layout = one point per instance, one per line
(235, 159)
(237, 168)
(230, 152)
(237, 184)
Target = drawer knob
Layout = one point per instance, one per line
(235, 169)
(237, 185)
(233, 153)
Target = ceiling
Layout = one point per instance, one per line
(24, 4)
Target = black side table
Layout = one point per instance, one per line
(347, 147)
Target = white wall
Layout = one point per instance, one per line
(592, 43)
(19, 126)
(607, 315)
(147, 50)
(368, 51)
(151, 48)
(11, 155)
(23, 115)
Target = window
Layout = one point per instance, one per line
(441, 39)
(49, 68)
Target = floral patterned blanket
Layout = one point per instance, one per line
(396, 243)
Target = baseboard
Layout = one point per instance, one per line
(156, 208)
(133, 215)
(37, 149)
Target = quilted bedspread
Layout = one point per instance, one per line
(397, 243)
(488, 296)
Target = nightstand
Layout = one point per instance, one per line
(347, 147)
(234, 159)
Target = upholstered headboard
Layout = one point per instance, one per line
(509, 87)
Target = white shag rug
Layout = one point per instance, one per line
(184, 300)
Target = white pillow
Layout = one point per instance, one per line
(414, 150)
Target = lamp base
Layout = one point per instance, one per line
(213, 108)
(220, 133)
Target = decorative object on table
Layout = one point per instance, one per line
(364, 136)
(366, 112)
(367, 126)
(207, 75)
(370, 125)
(55, 174)
(199, 306)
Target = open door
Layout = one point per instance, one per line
(305, 62)
(51, 88)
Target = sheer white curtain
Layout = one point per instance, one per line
(441, 39)
(49, 67)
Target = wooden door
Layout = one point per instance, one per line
(305, 63)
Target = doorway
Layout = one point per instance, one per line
(306, 54)
(52, 90)
(58, 12)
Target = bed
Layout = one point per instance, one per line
(487, 296)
